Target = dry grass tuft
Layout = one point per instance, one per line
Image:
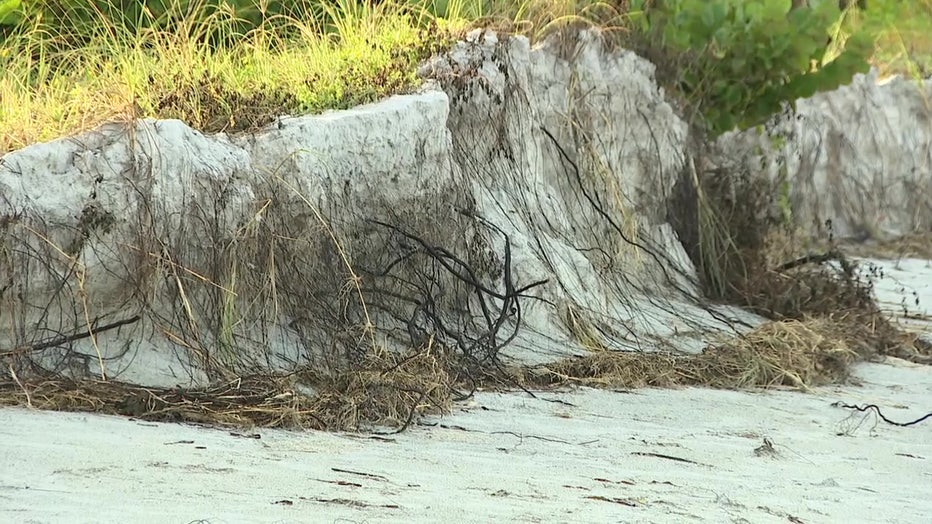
(389, 389)
(259, 400)
(610, 369)
(786, 353)
(782, 353)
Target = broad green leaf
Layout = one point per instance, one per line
(8, 8)
(775, 9)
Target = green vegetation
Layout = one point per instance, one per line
(232, 65)
(209, 68)
(902, 32)
(741, 60)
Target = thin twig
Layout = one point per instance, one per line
(20, 384)
(58, 341)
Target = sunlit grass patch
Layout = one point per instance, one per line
(347, 57)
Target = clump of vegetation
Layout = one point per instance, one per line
(231, 65)
(65, 72)
(736, 65)
(389, 390)
(901, 32)
(739, 62)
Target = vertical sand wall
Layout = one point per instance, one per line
(162, 253)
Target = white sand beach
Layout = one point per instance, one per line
(688, 455)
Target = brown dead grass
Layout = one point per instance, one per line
(785, 353)
(796, 353)
(388, 390)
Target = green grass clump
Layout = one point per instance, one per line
(348, 55)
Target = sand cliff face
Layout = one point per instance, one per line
(550, 165)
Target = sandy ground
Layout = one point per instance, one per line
(688, 455)
(685, 455)
(905, 292)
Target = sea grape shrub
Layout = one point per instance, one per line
(750, 58)
(10, 17)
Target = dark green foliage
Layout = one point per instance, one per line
(9, 11)
(10, 17)
(746, 59)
